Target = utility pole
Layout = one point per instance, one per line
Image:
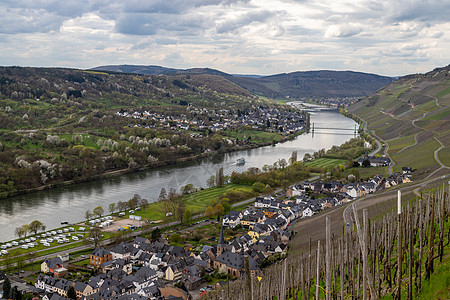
(399, 245)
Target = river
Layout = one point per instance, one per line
(70, 203)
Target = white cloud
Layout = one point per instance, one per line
(236, 36)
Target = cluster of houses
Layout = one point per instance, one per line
(148, 270)
(145, 269)
(265, 119)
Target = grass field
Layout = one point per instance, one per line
(195, 202)
(325, 162)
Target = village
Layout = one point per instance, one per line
(157, 269)
(195, 119)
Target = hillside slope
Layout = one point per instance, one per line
(412, 115)
(297, 84)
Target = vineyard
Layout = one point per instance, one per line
(390, 258)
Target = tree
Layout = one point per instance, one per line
(71, 294)
(175, 238)
(187, 216)
(99, 211)
(21, 231)
(219, 210)
(6, 288)
(121, 205)
(156, 234)
(219, 177)
(112, 208)
(144, 203)
(172, 193)
(226, 207)
(209, 212)
(94, 237)
(293, 158)
(258, 187)
(162, 194)
(188, 188)
(282, 162)
(181, 209)
(36, 226)
(88, 215)
(15, 294)
(137, 200)
(31, 257)
(132, 203)
(211, 181)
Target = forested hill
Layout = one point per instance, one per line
(412, 115)
(294, 85)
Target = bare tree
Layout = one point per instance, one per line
(99, 211)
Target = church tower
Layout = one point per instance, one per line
(221, 245)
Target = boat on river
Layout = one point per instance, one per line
(240, 161)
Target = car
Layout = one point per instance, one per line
(82, 256)
(24, 246)
(4, 252)
(30, 245)
(66, 230)
(59, 231)
(81, 236)
(60, 241)
(9, 245)
(348, 224)
(75, 238)
(27, 240)
(21, 242)
(43, 235)
(46, 244)
(15, 243)
(3, 247)
(66, 240)
(32, 239)
(22, 271)
(81, 229)
(53, 232)
(71, 229)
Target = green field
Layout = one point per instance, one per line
(444, 156)
(195, 202)
(397, 144)
(420, 156)
(325, 162)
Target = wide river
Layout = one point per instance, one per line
(70, 203)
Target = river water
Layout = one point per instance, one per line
(70, 203)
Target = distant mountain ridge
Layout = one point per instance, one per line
(296, 84)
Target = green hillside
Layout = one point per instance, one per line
(412, 115)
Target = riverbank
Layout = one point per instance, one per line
(154, 166)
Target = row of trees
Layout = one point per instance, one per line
(26, 229)
(133, 203)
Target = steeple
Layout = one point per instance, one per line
(221, 245)
(221, 241)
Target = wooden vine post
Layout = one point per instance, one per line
(328, 260)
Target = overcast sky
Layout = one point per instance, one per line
(392, 37)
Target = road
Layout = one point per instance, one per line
(348, 211)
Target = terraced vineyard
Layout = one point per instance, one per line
(413, 116)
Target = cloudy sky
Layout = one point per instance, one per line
(389, 37)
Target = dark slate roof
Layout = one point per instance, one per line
(53, 262)
(100, 252)
(122, 248)
(145, 272)
(235, 260)
(80, 286)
